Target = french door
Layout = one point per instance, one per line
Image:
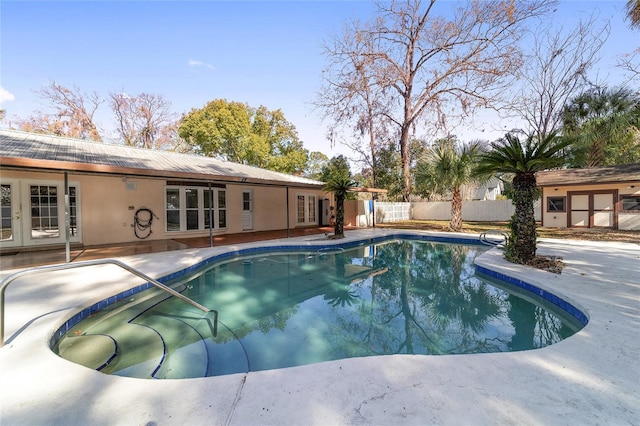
(9, 215)
(32, 213)
(306, 208)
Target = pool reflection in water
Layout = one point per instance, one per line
(282, 310)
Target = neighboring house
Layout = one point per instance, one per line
(602, 197)
(489, 190)
(486, 191)
(110, 186)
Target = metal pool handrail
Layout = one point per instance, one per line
(9, 279)
(485, 241)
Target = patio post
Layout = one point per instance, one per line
(210, 216)
(373, 208)
(67, 233)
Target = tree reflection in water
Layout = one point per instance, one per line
(429, 302)
(396, 297)
(341, 298)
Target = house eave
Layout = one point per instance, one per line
(52, 166)
(583, 183)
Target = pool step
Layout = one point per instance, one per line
(157, 337)
(140, 350)
(186, 353)
(117, 348)
(93, 351)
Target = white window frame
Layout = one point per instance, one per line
(201, 210)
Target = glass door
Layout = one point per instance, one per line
(247, 210)
(306, 209)
(45, 209)
(32, 213)
(9, 215)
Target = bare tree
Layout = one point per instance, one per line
(556, 70)
(73, 116)
(630, 62)
(352, 99)
(144, 120)
(431, 68)
(42, 123)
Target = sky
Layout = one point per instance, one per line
(192, 52)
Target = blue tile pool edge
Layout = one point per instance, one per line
(546, 295)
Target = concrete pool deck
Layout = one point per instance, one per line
(592, 377)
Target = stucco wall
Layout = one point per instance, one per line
(107, 206)
(626, 221)
(350, 212)
(270, 206)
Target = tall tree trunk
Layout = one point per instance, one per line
(405, 155)
(405, 303)
(595, 155)
(456, 210)
(338, 229)
(374, 154)
(524, 227)
(522, 315)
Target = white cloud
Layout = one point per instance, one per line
(5, 95)
(195, 63)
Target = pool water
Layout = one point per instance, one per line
(288, 309)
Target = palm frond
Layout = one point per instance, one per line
(510, 155)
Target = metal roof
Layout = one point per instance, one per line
(37, 151)
(595, 175)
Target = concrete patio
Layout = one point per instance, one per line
(590, 378)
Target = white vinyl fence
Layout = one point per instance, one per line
(472, 211)
(392, 212)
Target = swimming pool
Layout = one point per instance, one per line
(301, 307)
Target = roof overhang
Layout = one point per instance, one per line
(370, 190)
(624, 173)
(40, 165)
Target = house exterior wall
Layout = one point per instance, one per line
(108, 208)
(559, 219)
(351, 212)
(358, 213)
(107, 205)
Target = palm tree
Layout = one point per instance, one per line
(601, 123)
(523, 160)
(447, 168)
(633, 13)
(340, 186)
